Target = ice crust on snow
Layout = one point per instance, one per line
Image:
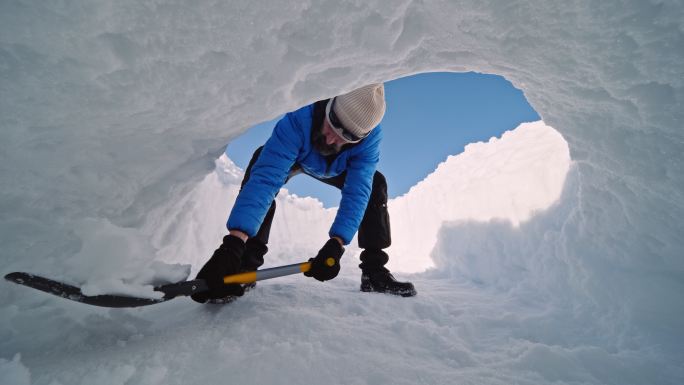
(112, 116)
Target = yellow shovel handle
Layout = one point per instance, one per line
(273, 272)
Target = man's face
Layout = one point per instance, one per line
(326, 141)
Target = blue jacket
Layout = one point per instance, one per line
(290, 144)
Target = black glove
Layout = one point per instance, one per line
(326, 265)
(225, 261)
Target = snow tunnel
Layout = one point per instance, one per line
(113, 115)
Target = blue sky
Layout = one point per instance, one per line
(429, 117)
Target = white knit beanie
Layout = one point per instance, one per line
(361, 110)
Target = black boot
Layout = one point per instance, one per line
(376, 278)
(252, 258)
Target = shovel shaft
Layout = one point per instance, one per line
(273, 272)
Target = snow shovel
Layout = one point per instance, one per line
(173, 290)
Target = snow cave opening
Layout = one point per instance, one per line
(466, 107)
(457, 147)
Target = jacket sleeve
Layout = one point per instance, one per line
(268, 175)
(356, 190)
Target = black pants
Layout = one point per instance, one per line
(374, 231)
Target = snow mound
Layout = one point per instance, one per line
(507, 179)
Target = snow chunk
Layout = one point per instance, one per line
(115, 260)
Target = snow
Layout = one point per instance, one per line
(13, 372)
(551, 264)
(115, 260)
(507, 179)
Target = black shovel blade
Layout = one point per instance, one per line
(74, 293)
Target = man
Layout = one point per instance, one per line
(337, 142)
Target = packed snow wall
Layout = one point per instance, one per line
(110, 109)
